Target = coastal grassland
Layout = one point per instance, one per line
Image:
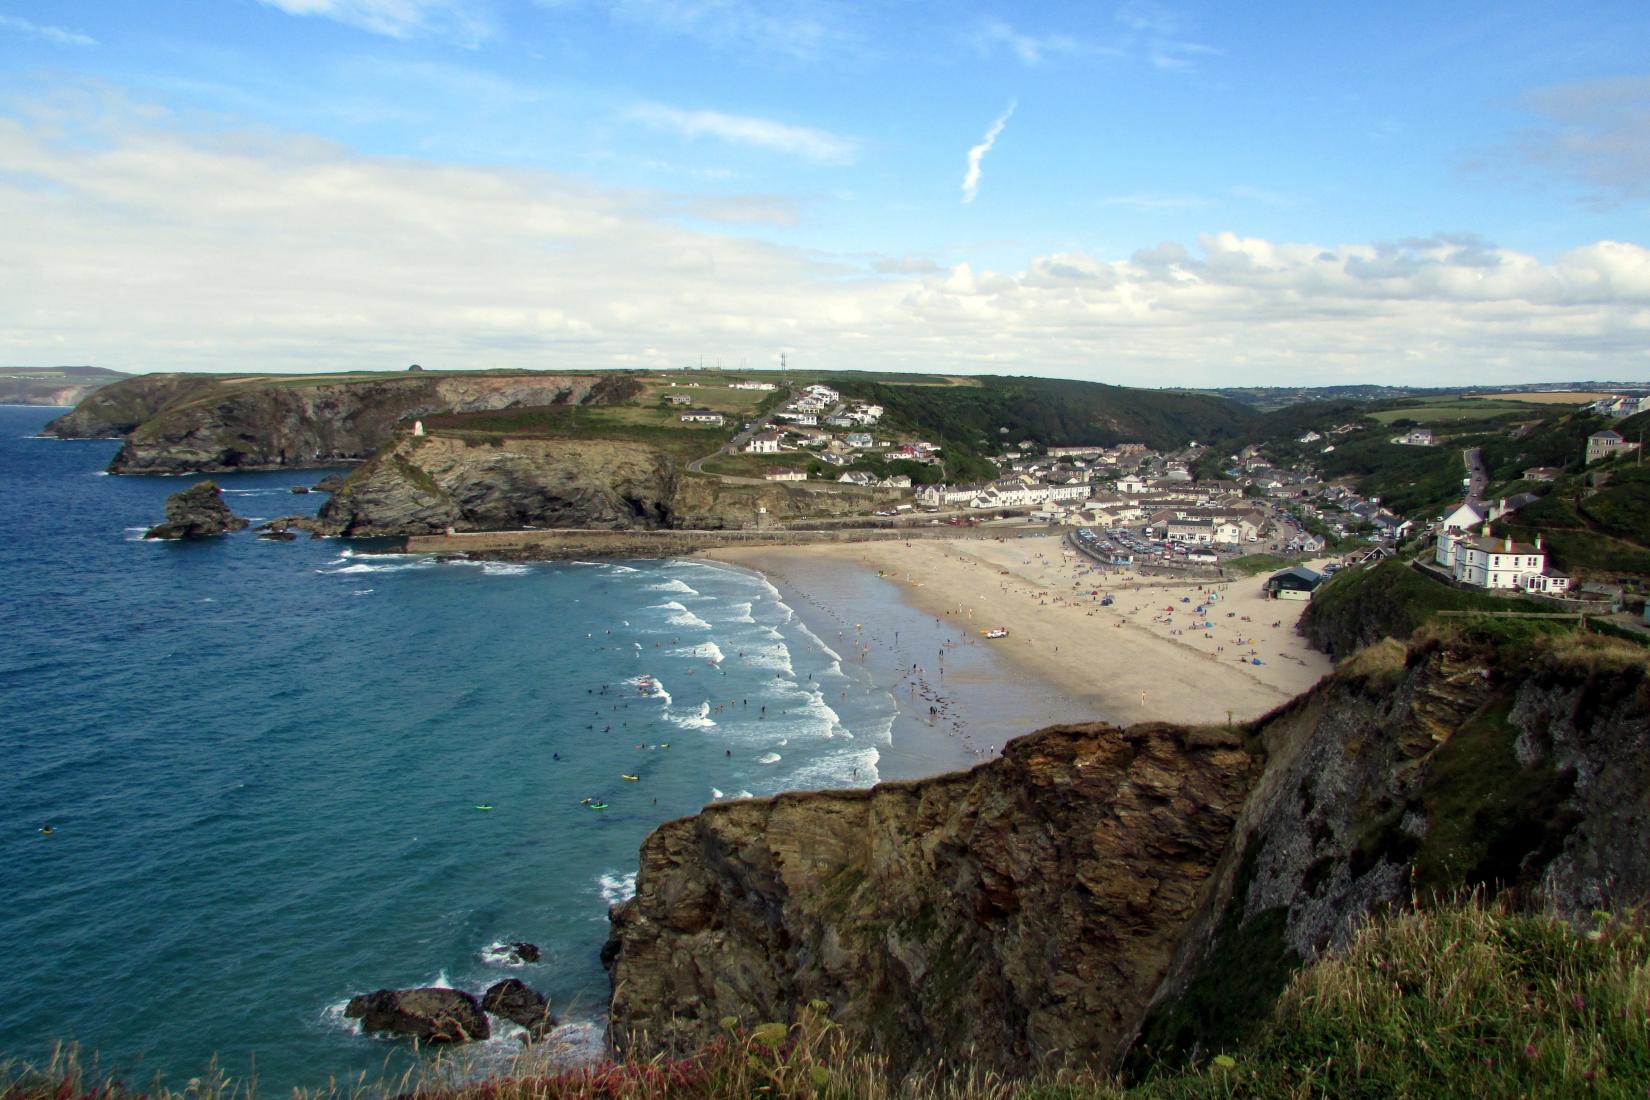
(752, 465)
(1391, 600)
(1469, 998)
(1453, 409)
(657, 427)
(1250, 564)
(1600, 529)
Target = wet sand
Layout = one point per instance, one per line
(1147, 656)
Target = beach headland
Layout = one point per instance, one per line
(1066, 657)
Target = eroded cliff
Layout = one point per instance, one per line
(426, 484)
(1025, 910)
(191, 423)
(1096, 882)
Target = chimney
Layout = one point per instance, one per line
(1486, 530)
(1538, 542)
(1509, 544)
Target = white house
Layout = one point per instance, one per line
(678, 398)
(781, 473)
(1415, 437)
(766, 387)
(858, 477)
(1489, 562)
(764, 443)
(1465, 517)
(859, 441)
(702, 416)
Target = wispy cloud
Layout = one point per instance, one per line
(460, 19)
(797, 30)
(976, 154)
(1154, 202)
(50, 34)
(1161, 36)
(763, 133)
(1594, 132)
(1031, 49)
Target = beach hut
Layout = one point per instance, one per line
(1295, 583)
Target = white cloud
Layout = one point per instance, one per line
(764, 133)
(460, 19)
(1031, 49)
(797, 30)
(976, 154)
(145, 248)
(50, 34)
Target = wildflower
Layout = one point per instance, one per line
(1577, 1001)
(1529, 1050)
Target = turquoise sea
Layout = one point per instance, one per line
(263, 764)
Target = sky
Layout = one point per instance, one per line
(1175, 194)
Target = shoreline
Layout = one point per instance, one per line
(955, 702)
(1145, 657)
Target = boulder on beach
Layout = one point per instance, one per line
(428, 1014)
(514, 1000)
(196, 512)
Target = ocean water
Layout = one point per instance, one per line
(263, 763)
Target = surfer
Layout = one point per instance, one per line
(47, 830)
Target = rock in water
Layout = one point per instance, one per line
(519, 951)
(516, 1001)
(430, 1015)
(329, 484)
(196, 512)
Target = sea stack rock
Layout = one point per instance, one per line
(429, 1014)
(195, 513)
(514, 1000)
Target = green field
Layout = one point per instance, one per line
(657, 427)
(1457, 410)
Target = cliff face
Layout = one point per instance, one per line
(190, 423)
(424, 485)
(1026, 909)
(116, 409)
(1100, 888)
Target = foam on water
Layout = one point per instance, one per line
(769, 758)
(673, 585)
(699, 720)
(709, 651)
(616, 886)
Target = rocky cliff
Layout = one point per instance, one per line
(425, 484)
(189, 423)
(1099, 889)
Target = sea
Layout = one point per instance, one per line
(277, 774)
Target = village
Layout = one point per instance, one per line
(1126, 504)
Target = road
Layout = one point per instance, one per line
(697, 466)
(1478, 479)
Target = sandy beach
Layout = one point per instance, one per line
(1149, 655)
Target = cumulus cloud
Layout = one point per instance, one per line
(976, 154)
(51, 34)
(763, 133)
(461, 19)
(148, 248)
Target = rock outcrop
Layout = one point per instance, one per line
(421, 485)
(514, 1000)
(426, 484)
(430, 1014)
(208, 423)
(195, 513)
(1026, 910)
(1100, 889)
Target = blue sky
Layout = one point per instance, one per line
(1160, 194)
